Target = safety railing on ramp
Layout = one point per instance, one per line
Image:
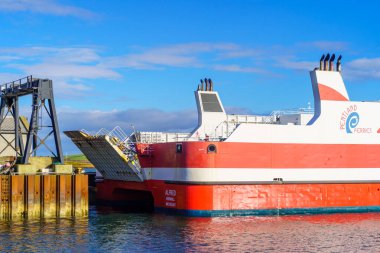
(110, 152)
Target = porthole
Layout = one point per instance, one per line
(211, 148)
(179, 148)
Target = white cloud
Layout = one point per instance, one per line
(82, 62)
(368, 63)
(240, 52)
(64, 70)
(142, 119)
(70, 89)
(367, 68)
(8, 77)
(154, 59)
(64, 54)
(72, 66)
(51, 7)
(77, 55)
(6, 58)
(298, 65)
(328, 46)
(194, 55)
(237, 68)
(69, 68)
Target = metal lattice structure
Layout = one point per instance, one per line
(41, 91)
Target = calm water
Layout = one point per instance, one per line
(111, 231)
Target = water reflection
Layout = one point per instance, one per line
(46, 235)
(319, 233)
(113, 230)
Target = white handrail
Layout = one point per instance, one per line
(102, 131)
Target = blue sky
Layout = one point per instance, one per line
(122, 62)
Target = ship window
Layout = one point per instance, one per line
(179, 148)
(211, 148)
(210, 103)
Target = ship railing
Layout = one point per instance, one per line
(117, 136)
(256, 119)
(122, 140)
(272, 118)
(101, 132)
(307, 110)
(226, 128)
(160, 137)
(85, 132)
(119, 133)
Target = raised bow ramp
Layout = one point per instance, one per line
(110, 156)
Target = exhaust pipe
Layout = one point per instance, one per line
(211, 84)
(338, 64)
(321, 62)
(327, 58)
(331, 63)
(207, 85)
(201, 85)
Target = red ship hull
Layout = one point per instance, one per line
(215, 200)
(257, 196)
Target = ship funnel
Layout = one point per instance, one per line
(331, 63)
(327, 58)
(201, 85)
(211, 113)
(338, 64)
(321, 62)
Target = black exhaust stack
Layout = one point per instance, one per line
(338, 64)
(331, 63)
(321, 62)
(327, 58)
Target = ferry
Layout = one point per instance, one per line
(324, 160)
